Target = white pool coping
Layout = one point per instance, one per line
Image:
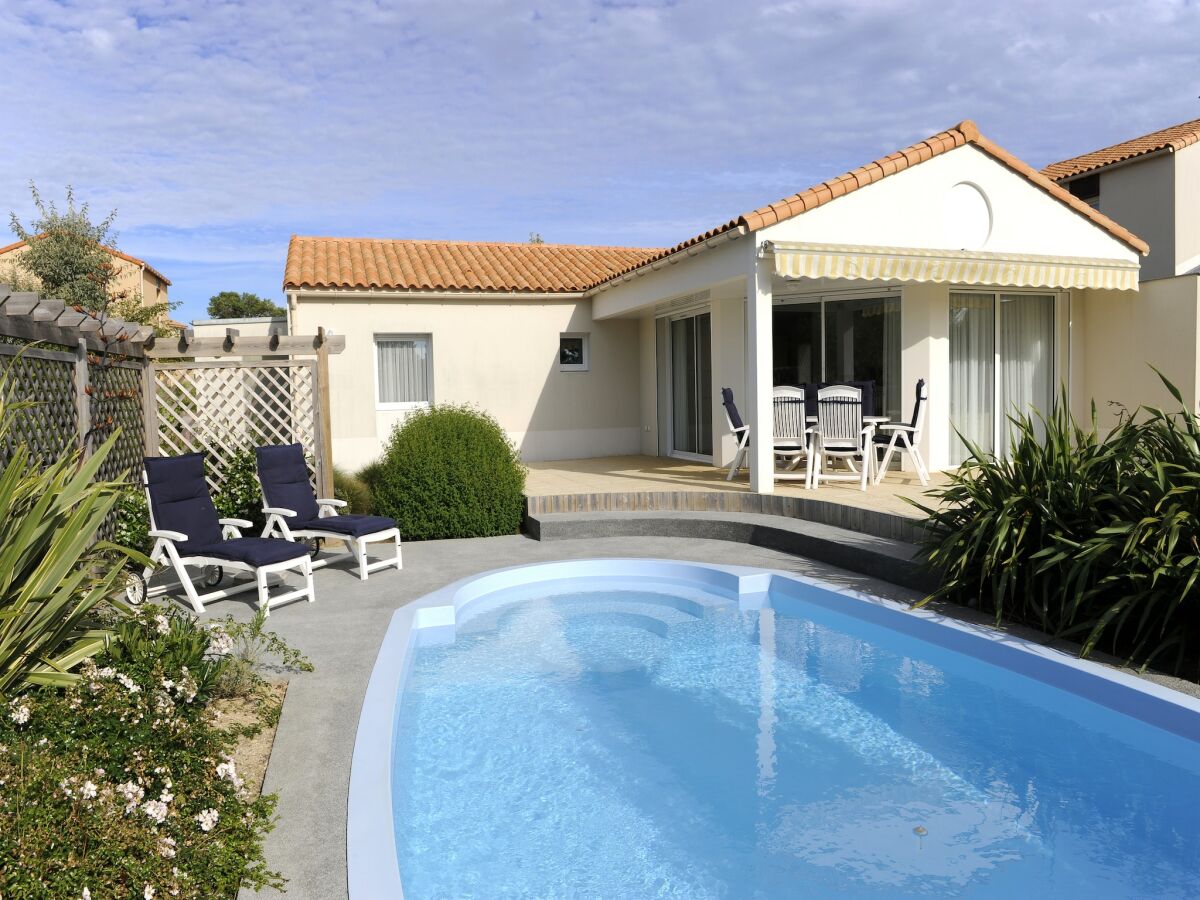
(371, 855)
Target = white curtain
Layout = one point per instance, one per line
(892, 400)
(972, 371)
(403, 370)
(1026, 357)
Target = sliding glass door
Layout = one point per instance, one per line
(841, 340)
(1001, 363)
(691, 385)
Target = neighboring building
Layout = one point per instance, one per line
(950, 260)
(135, 275)
(255, 326)
(1150, 184)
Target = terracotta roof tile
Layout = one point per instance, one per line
(315, 262)
(1174, 138)
(366, 263)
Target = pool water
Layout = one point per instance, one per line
(639, 742)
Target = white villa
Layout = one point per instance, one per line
(950, 261)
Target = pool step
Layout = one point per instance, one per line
(886, 558)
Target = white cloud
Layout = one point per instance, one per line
(232, 124)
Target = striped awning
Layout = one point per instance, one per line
(906, 264)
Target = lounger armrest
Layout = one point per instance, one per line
(337, 503)
(177, 537)
(279, 511)
(329, 508)
(236, 523)
(894, 426)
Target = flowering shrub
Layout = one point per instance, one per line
(122, 786)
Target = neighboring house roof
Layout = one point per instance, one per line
(380, 264)
(463, 265)
(112, 251)
(1174, 138)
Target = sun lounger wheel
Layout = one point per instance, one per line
(135, 587)
(212, 575)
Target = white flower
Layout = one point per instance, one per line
(86, 895)
(127, 683)
(166, 796)
(228, 771)
(66, 787)
(19, 713)
(167, 684)
(207, 819)
(156, 810)
(219, 641)
(166, 847)
(132, 793)
(162, 624)
(88, 791)
(148, 893)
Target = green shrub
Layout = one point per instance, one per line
(120, 783)
(449, 472)
(1095, 539)
(132, 526)
(353, 490)
(240, 496)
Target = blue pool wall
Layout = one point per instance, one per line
(371, 856)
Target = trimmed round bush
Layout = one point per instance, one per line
(449, 472)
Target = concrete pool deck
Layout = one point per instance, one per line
(341, 634)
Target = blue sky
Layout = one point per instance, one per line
(218, 129)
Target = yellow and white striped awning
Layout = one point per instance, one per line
(974, 267)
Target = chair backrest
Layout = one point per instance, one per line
(732, 416)
(789, 412)
(918, 416)
(283, 474)
(839, 416)
(867, 388)
(179, 498)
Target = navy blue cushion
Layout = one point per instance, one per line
(179, 499)
(284, 478)
(253, 551)
(351, 526)
(730, 407)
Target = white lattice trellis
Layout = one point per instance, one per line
(229, 406)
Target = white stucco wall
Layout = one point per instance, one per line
(912, 209)
(1117, 337)
(1141, 196)
(1187, 209)
(498, 353)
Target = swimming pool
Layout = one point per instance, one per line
(634, 728)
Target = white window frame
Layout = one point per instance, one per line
(585, 338)
(411, 336)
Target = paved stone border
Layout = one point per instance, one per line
(822, 512)
(879, 557)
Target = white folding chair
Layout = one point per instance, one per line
(791, 432)
(905, 438)
(841, 434)
(739, 429)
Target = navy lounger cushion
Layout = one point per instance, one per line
(253, 551)
(284, 477)
(179, 499)
(350, 526)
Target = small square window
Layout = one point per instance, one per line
(573, 353)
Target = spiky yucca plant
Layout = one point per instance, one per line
(53, 571)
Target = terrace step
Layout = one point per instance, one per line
(879, 557)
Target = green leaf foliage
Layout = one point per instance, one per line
(242, 305)
(353, 490)
(1087, 537)
(240, 496)
(449, 472)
